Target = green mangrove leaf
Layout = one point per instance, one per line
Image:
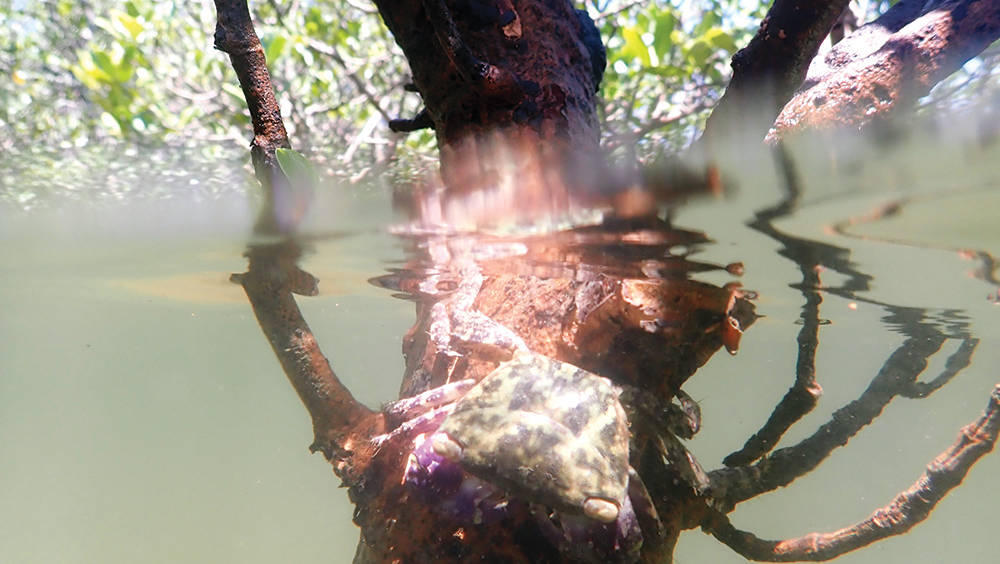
(297, 168)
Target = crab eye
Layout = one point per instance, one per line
(445, 446)
(600, 509)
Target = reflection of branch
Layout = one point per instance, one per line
(897, 377)
(909, 508)
(988, 263)
(801, 398)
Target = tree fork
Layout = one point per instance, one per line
(885, 66)
(768, 70)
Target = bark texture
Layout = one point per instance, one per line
(887, 65)
(878, 71)
(768, 70)
(529, 71)
(595, 307)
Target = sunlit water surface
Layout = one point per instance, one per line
(143, 417)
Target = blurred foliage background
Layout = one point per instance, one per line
(84, 79)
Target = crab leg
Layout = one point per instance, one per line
(410, 408)
(430, 420)
(909, 508)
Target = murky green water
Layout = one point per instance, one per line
(143, 417)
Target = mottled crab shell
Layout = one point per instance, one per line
(546, 431)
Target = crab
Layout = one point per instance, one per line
(541, 429)
(535, 430)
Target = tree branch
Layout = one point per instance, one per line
(768, 70)
(888, 64)
(235, 36)
(362, 87)
(341, 424)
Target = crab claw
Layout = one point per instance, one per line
(600, 509)
(446, 446)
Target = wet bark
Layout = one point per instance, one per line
(598, 308)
